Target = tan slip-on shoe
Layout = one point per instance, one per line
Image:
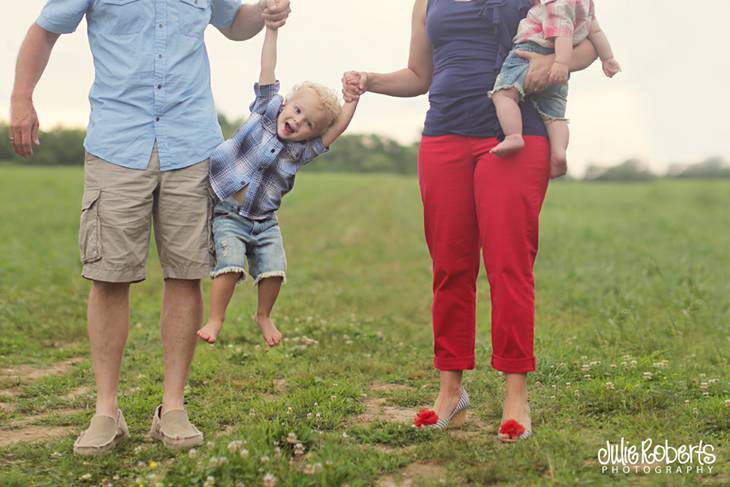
(102, 436)
(174, 429)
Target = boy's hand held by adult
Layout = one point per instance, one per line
(275, 12)
(24, 125)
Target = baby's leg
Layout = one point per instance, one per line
(268, 292)
(510, 118)
(220, 295)
(559, 135)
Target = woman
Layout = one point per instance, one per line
(473, 199)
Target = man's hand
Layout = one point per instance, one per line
(354, 84)
(275, 12)
(23, 125)
(611, 67)
(538, 73)
(559, 73)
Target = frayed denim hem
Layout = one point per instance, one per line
(516, 86)
(265, 275)
(230, 270)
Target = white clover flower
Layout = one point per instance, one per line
(292, 438)
(85, 477)
(243, 453)
(610, 386)
(192, 453)
(298, 450)
(234, 445)
(727, 403)
(648, 375)
(264, 459)
(269, 480)
(209, 481)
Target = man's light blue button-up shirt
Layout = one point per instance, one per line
(152, 76)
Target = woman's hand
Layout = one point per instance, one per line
(538, 72)
(559, 73)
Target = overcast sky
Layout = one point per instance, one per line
(668, 105)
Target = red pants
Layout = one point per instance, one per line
(473, 199)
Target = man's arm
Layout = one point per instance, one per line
(32, 61)
(268, 57)
(250, 19)
(340, 125)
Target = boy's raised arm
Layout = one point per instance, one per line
(268, 57)
(340, 125)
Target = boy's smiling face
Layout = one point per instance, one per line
(302, 117)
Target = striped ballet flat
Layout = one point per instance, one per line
(429, 419)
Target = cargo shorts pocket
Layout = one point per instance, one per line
(90, 227)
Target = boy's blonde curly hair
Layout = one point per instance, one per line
(327, 97)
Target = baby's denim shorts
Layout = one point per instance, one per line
(240, 241)
(550, 103)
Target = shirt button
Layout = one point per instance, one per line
(159, 56)
(159, 87)
(161, 26)
(157, 119)
(273, 150)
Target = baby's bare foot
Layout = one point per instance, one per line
(272, 336)
(210, 331)
(510, 145)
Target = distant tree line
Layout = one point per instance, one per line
(356, 153)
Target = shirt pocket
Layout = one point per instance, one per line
(287, 167)
(194, 16)
(121, 17)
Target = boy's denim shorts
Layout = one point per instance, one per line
(240, 241)
(550, 103)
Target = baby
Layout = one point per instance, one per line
(550, 26)
(249, 175)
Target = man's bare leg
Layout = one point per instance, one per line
(108, 326)
(268, 292)
(507, 104)
(182, 312)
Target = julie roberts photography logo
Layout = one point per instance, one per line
(662, 458)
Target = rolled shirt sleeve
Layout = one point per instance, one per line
(63, 16)
(224, 12)
(559, 18)
(312, 149)
(264, 94)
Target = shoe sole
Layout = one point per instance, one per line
(91, 451)
(176, 444)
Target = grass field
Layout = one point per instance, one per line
(633, 341)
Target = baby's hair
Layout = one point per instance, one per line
(327, 97)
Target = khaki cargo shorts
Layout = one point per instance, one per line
(117, 211)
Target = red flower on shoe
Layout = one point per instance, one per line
(511, 428)
(426, 417)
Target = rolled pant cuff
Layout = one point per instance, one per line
(462, 363)
(131, 275)
(513, 366)
(189, 272)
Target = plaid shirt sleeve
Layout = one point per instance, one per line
(559, 19)
(264, 94)
(63, 16)
(312, 149)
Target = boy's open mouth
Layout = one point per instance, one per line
(288, 129)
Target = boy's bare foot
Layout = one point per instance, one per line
(510, 145)
(209, 333)
(272, 336)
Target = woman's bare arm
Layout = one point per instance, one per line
(416, 78)
(538, 74)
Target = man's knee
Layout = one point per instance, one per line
(110, 287)
(184, 286)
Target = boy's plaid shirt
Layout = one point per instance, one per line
(256, 159)
(549, 19)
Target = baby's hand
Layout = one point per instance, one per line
(559, 73)
(352, 82)
(611, 67)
